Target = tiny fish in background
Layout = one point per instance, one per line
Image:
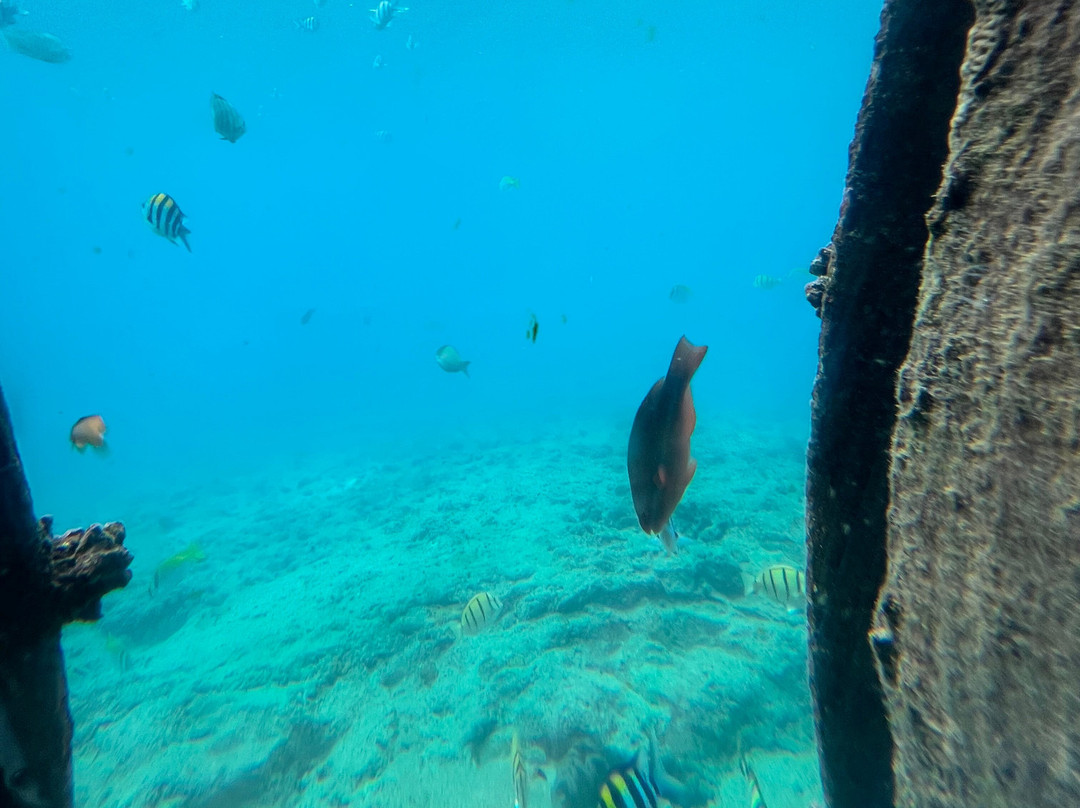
(457, 223)
(383, 135)
(680, 293)
(383, 14)
(310, 24)
(767, 282)
(227, 121)
(509, 183)
(563, 318)
(307, 317)
(320, 3)
(192, 554)
(532, 328)
(9, 13)
(88, 431)
(378, 62)
(756, 800)
(517, 770)
(658, 457)
(165, 218)
(37, 45)
(190, 5)
(411, 44)
(784, 584)
(480, 612)
(450, 360)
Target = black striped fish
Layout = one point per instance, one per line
(767, 282)
(308, 24)
(521, 779)
(632, 786)
(756, 800)
(481, 610)
(383, 14)
(784, 584)
(165, 218)
(227, 121)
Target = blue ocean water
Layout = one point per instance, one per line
(656, 144)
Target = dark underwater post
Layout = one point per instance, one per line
(866, 298)
(944, 461)
(44, 583)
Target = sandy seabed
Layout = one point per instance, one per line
(314, 657)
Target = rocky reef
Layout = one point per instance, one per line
(955, 270)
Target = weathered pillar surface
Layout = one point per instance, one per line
(867, 301)
(983, 687)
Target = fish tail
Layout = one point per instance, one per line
(183, 233)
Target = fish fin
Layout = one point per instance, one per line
(465, 368)
(183, 237)
(670, 788)
(661, 477)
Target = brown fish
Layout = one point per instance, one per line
(658, 458)
(88, 431)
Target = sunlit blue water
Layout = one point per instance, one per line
(696, 143)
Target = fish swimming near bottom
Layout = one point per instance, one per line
(658, 457)
(756, 800)
(165, 218)
(640, 783)
(227, 121)
(481, 611)
(784, 584)
(450, 360)
(88, 431)
(518, 772)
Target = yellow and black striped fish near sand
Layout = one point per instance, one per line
(165, 218)
(784, 584)
(227, 121)
(481, 611)
(756, 800)
(521, 779)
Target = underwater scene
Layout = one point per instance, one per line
(449, 366)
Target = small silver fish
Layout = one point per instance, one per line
(310, 24)
(450, 360)
(378, 63)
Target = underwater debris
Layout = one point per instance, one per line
(450, 360)
(88, 431)
(658, 457)
(37, 45)
(482, 610)
(166, 219)
(227, 121)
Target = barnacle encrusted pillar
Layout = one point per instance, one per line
(44, 583)
(866, 298)
(983, 676)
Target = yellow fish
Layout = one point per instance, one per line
(192, 554)
(784, 584)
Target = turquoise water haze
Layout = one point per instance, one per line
(345, 495)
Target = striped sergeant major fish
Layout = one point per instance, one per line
(309, 24)
(165, 218)
(383, 14)
(640, 783)
(784, 584)
(756, 800)
(521, 779)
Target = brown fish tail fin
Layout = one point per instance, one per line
(688, 356)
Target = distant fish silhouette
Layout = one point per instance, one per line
(88, 431)
(680, 293)
(479, 612)
(532, 329)
(520, 776)
(658, 457)
(227, 121)
(509, 183)
(37, 45)
(307, 317)
(767, 282)
(450, 360)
